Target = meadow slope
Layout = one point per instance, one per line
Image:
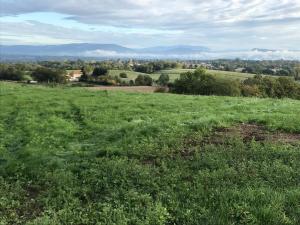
(73, 156)
(175, 74)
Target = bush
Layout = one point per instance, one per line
(143, 80)
(107, 80)
(161, 90)
(227, 88)
(251, 91)
(123, 75)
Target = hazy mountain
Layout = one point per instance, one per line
(108, 51)
(90, 49)
(60, 50)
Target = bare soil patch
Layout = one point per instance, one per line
(248, 132)
(137, 89)
(245, 131)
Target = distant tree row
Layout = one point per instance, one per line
(152, 67)
(41, 74)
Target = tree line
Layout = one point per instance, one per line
(200, 82)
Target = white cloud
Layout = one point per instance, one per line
(247, 55)
(215, 23)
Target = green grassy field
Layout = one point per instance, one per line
(175, 73)
(131, 74)
(73, 156)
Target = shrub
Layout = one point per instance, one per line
(161, 90)
(251, 91)
(131, 83)
(143, 80)
(123, 75)
(227, 88)
(106, 80)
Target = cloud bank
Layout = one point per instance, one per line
(245, 55)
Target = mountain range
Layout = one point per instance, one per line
(107, 51)
(88, 49)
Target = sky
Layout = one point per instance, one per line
(216, 24)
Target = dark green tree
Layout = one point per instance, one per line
(143, 80)
(163, 79)
(100, 71)
(43, 74)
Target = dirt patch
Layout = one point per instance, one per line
(31, 208)
(249, 132)
(245, 132)
(137, 89)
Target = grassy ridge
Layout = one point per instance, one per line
(131, 74)
(71, 156)
(175, 73)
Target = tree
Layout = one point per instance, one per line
(163, 79)
(286, 87)
(100, 71)
(87, 69)
(123, 75)
(11, 73)
(143, 80)
(198, 82)
(283, 72)
(43, 74)
(201, 83)
(297, 73)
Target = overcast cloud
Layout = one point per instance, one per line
(218, 24)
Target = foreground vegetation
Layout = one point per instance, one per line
(72, 156)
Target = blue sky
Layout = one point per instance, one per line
(217, 24)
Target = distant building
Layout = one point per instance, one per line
(240, 70)
(74, 75)
(32, 82)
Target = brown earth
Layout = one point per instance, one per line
(245, 131)
(248, 132)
